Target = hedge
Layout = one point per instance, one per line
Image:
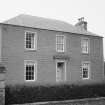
(27, 94)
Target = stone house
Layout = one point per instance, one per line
(39, 50)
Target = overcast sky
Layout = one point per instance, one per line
(67, 10)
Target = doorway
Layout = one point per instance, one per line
(60, 71)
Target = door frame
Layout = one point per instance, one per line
(64, 69)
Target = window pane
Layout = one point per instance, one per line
(60, 47)
(26, 73)
(26, 67)
(85, 70)
(33, 67)
(26, 38)
(30, 40)
(32, 77)
(30, 72)
(60, 39)
(27, 77)
(84, 45)
(85, 74)
(60, 43)
(29, 67)
(29, 46)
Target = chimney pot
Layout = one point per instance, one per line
(81, 23)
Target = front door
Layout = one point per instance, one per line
(60, 71)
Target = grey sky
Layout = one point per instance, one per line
(67, 10)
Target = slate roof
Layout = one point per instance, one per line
(44, 23)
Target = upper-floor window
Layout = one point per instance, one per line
(85, 46)
(30, 70)
(30, 40)
(85, 70)
(60, 43)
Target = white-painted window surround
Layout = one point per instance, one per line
(30, 67)
(60, 43)
(30, 40)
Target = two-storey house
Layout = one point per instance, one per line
(39, 50)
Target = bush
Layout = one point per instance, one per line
(27, 94)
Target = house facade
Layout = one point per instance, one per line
(38, 50)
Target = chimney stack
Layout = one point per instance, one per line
(81, 23)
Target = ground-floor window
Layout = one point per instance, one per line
(60, 70)
(30, 70)
(85, 70)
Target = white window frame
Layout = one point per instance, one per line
(86, 62)
(64, 70)
(87, 44)
(35, 40)
(64, 43)
(31, 62)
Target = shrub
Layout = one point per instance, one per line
(27, 94)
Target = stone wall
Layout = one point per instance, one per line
(89, 101)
